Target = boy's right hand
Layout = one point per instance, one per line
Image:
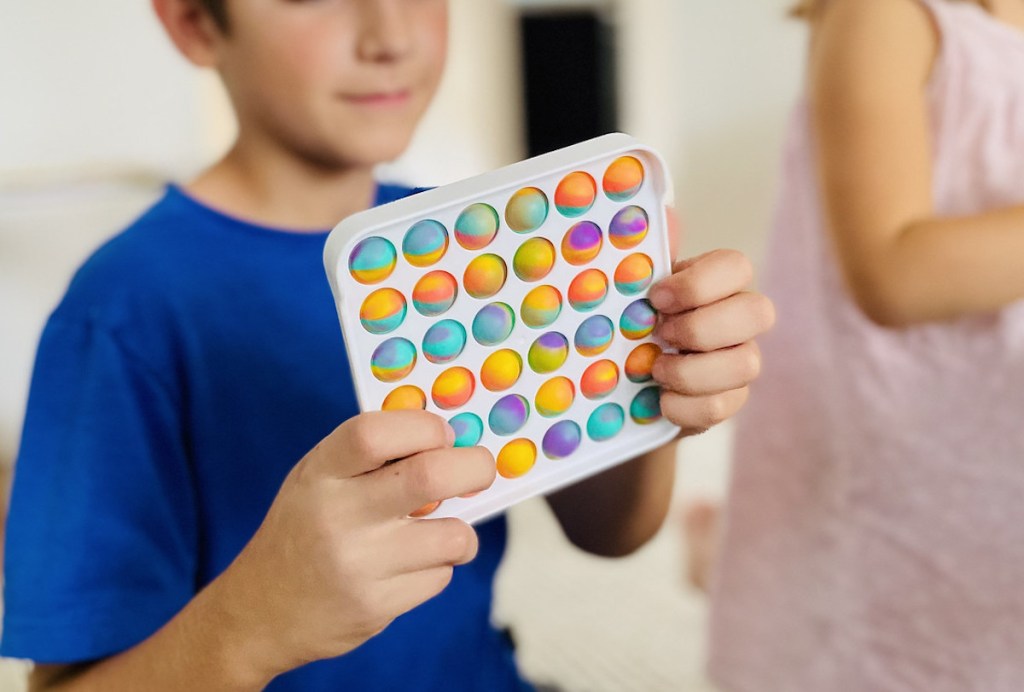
(337, 557)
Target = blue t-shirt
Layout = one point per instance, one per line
(192, 363)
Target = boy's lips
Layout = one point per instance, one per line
(379, 99)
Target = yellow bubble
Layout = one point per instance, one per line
(516, 458)
(501, 370)
(555, 397)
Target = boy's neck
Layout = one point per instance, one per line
(273, 188)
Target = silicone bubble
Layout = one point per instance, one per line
(646, 406)
(599, 379)
(406, 397)
(548, 353)
(468, 429)
(605, 422)
(426, 509)
(534, 259)
(526, 210)
(383, 311)
(425, 243)
(444, 341)
(501, 370)
(485, 276)
(393, 359)
(634, 274)
(476, 226)
(638, 319)
(575, 195)
(435, 293)
(594, 336)
(582, 243)
(516, 458)
(588, 290)
(628, 228)
(541, 307)
(562, 439)
(555, 397)
(509, 415)
(640, 362)
(453, 388)
(372, 260)
(493, 324)
(623, 178)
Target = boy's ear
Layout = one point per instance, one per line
(191, 29)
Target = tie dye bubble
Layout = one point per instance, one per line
(623, 179)
(435, 293)
(562, 439)
(468, 429)
(646, 406)
(393, 360)
(453, 388)
(628, 228)
(372, 260)
(548, 353)
(588, 290)
(476, 226)
(599, 379)
(541, 307)
(582, 243)
(444, 342)
(383, 311)
(405, 398)
(555, 397)
(425, 243)
(605, 422)
(575, 195)
(485, 276)
(501, 370)
(534, 259)
(527, 210)
(594, 336)
(493, 324)
(638, 320)
(509, 415)
(634, 274)
(640, 362)
(516, 458)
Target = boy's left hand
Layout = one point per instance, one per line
(708, 313)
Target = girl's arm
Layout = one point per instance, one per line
(870, 64)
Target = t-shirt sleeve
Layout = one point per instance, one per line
(101, 545)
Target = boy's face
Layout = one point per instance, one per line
(336, 82)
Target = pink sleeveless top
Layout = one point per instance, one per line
(874, 538)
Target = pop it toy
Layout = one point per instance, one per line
(514, 304)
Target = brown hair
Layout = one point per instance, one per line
(218, 9)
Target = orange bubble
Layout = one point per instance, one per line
(575, 195)
(623, 178)
(453, 388)
(485, 276)
(640, 362)
(600, 379)
(406, 397)
(426, 509)
(588, 290)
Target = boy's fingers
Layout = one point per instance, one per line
(434, 543)
(701, 374)
(695, 414)
(729, 322)
(368, 441)
(407, 485)
(702, 280)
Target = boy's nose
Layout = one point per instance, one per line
(384, 32)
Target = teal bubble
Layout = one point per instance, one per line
(493, 324)
(476, 226)
(646, 406)
(444, 342)
(605, 422)
(468, 429)
(638, 319)
(425, 243)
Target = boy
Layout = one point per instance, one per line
(161, 534)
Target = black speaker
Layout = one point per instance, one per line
(569, 84)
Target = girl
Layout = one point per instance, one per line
(875, 535)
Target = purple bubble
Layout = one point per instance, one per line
(562, 439)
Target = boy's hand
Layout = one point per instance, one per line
(337, 558)
(707, 313)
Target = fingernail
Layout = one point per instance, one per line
(449, 432)
(661, 298)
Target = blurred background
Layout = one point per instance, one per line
(98, 112)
